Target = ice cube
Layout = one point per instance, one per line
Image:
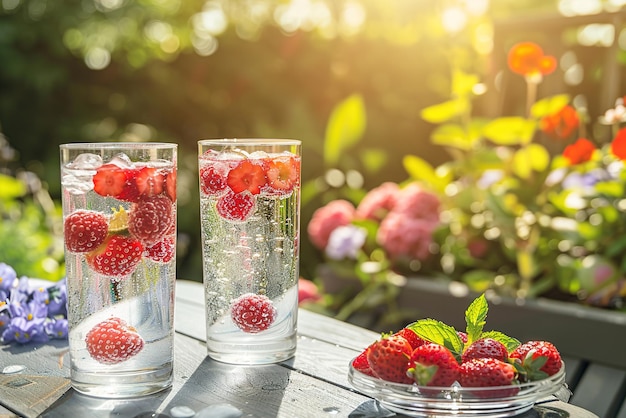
(86, 161)
(259, 155)
(121, 160)
(78, 184)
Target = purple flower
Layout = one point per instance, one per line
(57, 301)
(57, 328)
(30, 310)
(7, 277)
(4, 320)
(23, 331)
(345, 242)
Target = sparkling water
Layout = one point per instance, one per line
(250, 253)
(144, 298)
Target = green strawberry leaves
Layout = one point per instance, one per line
(475, 319)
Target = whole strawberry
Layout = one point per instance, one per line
(113, 341)
(150, 218)
(537, 357)
(434, 365)
(116, 257)
(489, 372)
(253, 313)
(361, 363)
(84, 230)
(411, 337)
(389, 359)
(486, 348)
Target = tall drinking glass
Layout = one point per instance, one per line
(250, 219)
(119, 209)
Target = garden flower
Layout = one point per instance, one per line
(528, 59)
(562, 124)
(618, 146)
(404, 236)
(345, 242)
(307, 291)
(580, 151)
(31, 315)
(378, 202)
(327, 218)
(7, 277)
(415, 202)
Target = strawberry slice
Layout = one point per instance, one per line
(150, 181)
(170, 184)
(116, 257)
(246, 176)
(112, 180)
(253, 313)
(150, 218)
(84, 230)
(113, 341)
(283, 174)
(236, 207)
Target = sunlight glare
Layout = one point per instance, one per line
(596, 34)
(579, 7)
(97, 58)
(454, 19)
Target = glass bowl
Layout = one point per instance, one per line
(420, 401)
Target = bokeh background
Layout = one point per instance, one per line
(184, 70)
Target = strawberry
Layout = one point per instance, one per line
(213, 179)
(283, 174)
(117, 256)
(246, 176)
(163, 251)
(539, 359)
(463, 336)
(150, 181)
(486, 348)
(361, 364)
(236, 207)
(170, 184)
(411, 337)
(434, 365)
(253, 313)
(112, 180)
(389, 359)
(84, 230)
(150, 218)
(489, 372)
(113, 341)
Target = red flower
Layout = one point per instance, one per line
(579, 152)
(618, 146)
(527, 59)
(562, 124)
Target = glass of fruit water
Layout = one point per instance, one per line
(250, 220)
(119, 210)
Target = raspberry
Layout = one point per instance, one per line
(84, 230)
(113, 341)
(253, 313)
(150, 218)
(236, 207)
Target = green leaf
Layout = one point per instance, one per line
(11, 188)
(446, 111)
(345, 128)
(533, 157)
(475, 318)
(438, 333)
(420, 170)
(463, 83)
(509, 342)
(510, 131)
(549, 106)
(373, 159)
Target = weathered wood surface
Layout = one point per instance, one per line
(312, 384)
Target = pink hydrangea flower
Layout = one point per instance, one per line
(415, 202)
(327, 218)
(307, 291)
(401, 235)
(378, 202)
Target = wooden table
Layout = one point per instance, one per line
(312, 384)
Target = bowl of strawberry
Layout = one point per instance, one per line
(429, 368)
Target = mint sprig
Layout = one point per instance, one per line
(439, 333)
(476, 318)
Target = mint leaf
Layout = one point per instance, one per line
(476, 317)
(439, 333)
(509, 342)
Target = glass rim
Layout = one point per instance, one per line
(111, 145)
(250, 141)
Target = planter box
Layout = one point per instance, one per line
(578, 331)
